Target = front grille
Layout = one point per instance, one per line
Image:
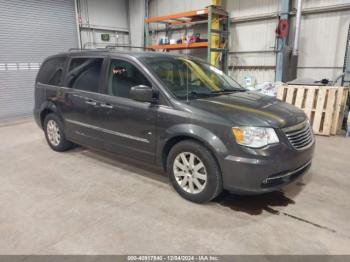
(300, 136)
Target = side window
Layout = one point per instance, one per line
(84, 73)
(76, 62)
(51, 71)
(122, 76)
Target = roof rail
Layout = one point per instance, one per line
(129, 46)
(108, 47)
(86, 49)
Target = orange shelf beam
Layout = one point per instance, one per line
(178, 18)
(180, 46)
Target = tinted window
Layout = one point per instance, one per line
(56, 77)
(122, 76)
(51, 71)
(84, 73)
(76, 62)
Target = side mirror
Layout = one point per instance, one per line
(143, 93)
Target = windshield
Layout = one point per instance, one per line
(191, 78)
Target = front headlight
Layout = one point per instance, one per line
(254, 136)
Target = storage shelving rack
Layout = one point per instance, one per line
(218, 28)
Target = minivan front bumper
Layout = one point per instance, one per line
(261, 174)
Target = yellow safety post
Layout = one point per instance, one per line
(216, 2)
(215, 39)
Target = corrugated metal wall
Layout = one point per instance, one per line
(323, 40)
(103, 17)
(252, 42)
(252, 45)
(29, 32)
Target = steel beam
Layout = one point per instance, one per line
(281, 42)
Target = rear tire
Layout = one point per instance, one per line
(194, 172)
(54, 133)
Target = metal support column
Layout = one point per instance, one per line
(146, 41)
(210, 14)
(281, 43)
(214, 37)
(77, 21)
(346, 67)
(297, 29)
(226, 46)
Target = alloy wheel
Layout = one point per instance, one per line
(190, 172)
(53, 132)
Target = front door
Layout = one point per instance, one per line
(129, 125)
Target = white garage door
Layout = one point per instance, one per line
(30, 31)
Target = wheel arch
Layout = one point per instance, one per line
(196, 133)
(46, 109)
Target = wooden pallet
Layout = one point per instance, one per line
(324, 105)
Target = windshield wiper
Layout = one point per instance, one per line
(195, 93)
(213, 93)
(227, 91)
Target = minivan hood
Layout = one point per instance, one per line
(251, 109)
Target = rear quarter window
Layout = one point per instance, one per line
(84, 74)
(51, 71)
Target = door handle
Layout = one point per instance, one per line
(90, 102)
(106, 105)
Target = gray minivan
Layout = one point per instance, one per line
(175, 112)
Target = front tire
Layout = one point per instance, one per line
(54, 134)
(194, 172)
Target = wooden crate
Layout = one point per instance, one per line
(324, 105)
